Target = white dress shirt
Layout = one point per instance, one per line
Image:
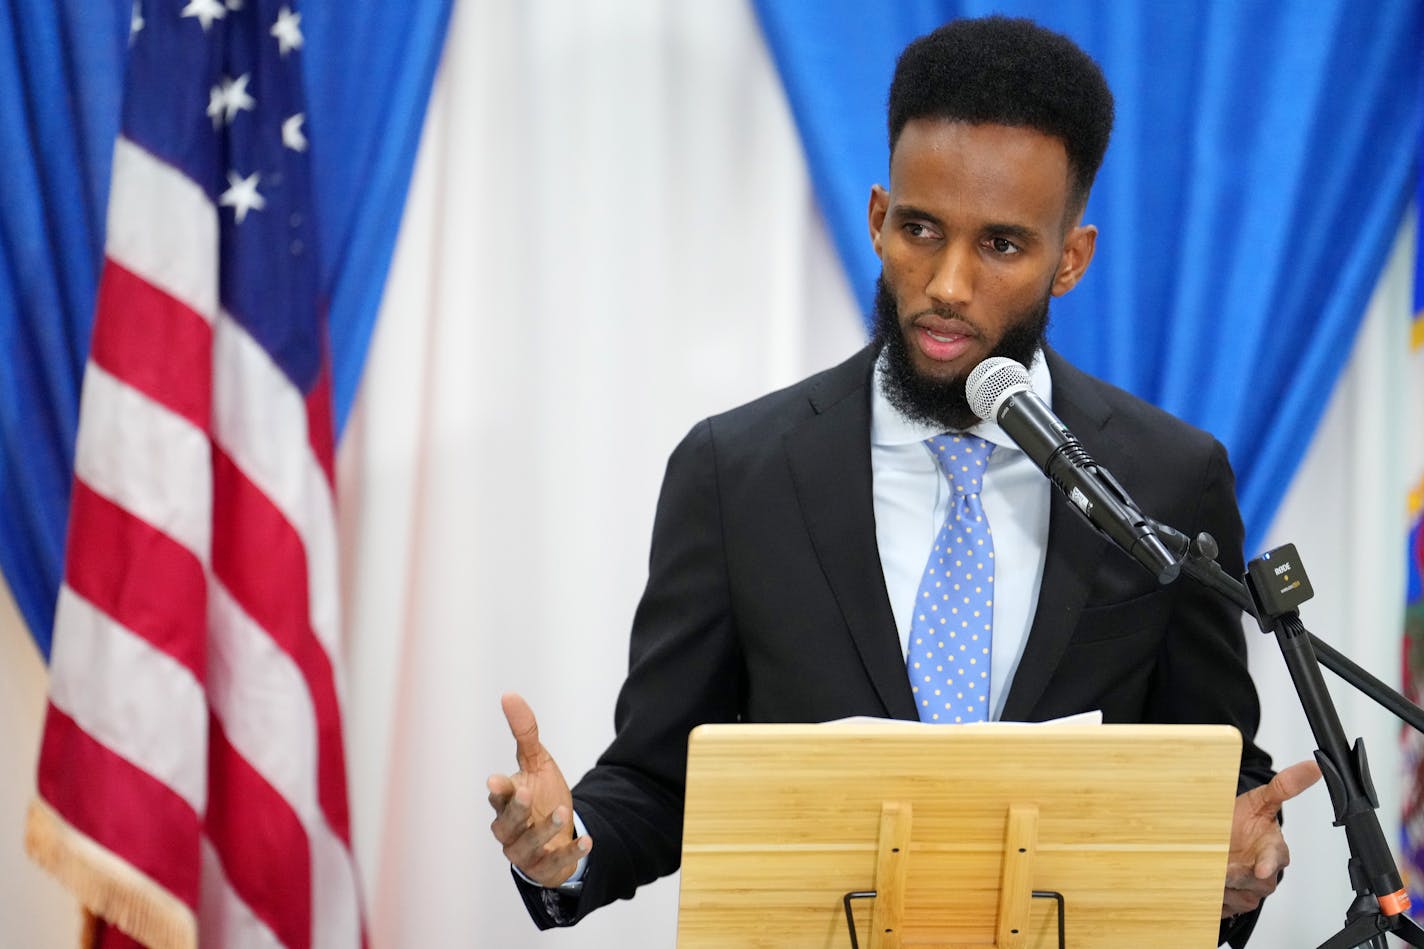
(911, 497)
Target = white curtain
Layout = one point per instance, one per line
(611, 235)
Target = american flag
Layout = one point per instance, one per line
(192, 778)
(1412, 827)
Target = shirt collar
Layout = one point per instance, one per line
(888, 426)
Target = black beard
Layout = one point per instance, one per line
(944, 404)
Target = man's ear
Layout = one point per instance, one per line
(1078, 250)
(875, 215)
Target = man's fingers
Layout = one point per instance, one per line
(1295, 779)
(543, 849)
(1269, 867)
(1273, 857)
(1290, 782)
(1258, 851)
(1267, 799)
(554, 864)
(539, 836)
(512, 820)
(523, 727)
(1236, 902)
(501, 789)
(1246, 882)
(538, 841)
(1259, 876)
(1245, 888)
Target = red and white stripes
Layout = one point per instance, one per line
(192, 775)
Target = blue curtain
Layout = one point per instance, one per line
(368, 69)
(1257, 175)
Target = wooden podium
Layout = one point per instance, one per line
(955, 828)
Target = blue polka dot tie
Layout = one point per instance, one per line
(952, 631)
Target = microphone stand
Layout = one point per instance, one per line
(1276, 584)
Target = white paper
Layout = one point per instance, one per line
(1094, 717)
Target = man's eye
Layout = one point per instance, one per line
(1003, 245)
(916, 229)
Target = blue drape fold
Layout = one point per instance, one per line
(368, 69)
(1257, 176)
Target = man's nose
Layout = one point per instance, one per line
(952, 282)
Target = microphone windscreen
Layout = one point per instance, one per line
(992, 381)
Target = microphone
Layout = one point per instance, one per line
(998, 390)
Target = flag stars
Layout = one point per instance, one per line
(228, 98)
(242, 195)
(292, 135)
(287, 30)
(135, 22)
(206, 11)
(216, 105)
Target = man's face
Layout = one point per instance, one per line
(974, 237)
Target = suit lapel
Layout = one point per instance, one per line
(1074, 551)
(829, 457)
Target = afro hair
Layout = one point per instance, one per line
(1004, 71)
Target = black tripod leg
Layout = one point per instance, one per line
(1408, 930)
(1367, 931)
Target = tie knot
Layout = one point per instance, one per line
(962, 458)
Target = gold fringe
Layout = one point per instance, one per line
(107, 886)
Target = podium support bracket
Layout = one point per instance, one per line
(1016, 883)
(892, 862)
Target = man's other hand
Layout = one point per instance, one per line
(1258, 851)
(533, 808)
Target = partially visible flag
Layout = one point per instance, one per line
(1412, 834)
(192, 778)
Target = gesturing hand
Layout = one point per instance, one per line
(1258, 851)
(533, 807)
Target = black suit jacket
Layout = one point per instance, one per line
(766, 602)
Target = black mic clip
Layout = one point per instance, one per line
(1138, 534)
(1196, 556)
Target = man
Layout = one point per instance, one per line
(799, 537)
